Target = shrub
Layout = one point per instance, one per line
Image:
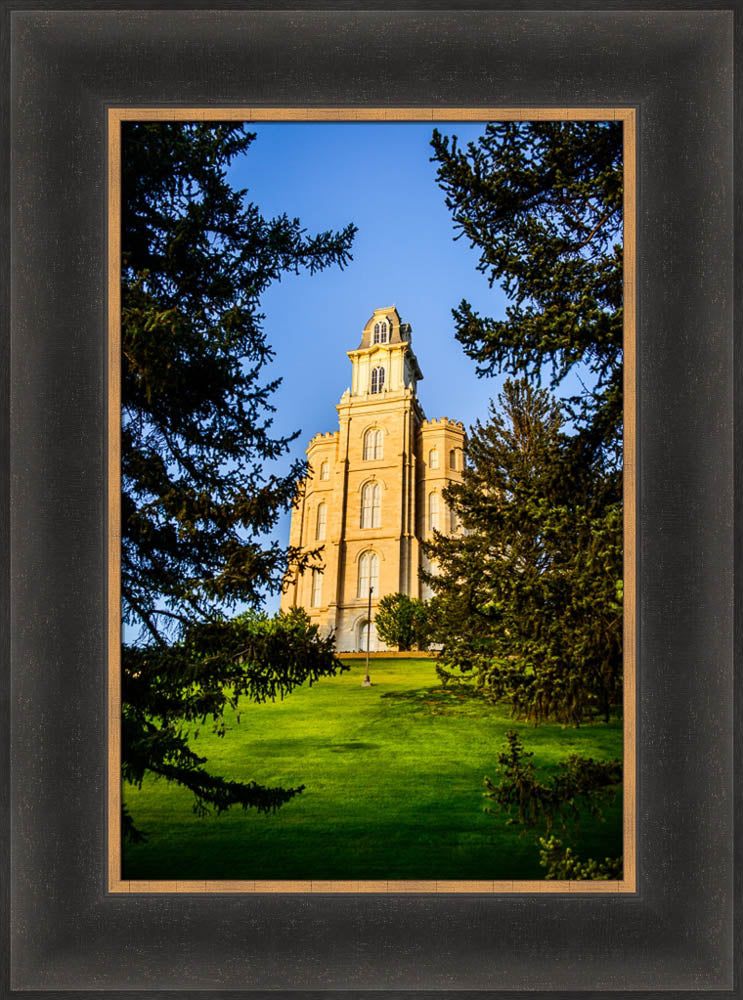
(402, 621)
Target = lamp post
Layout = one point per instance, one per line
(366, 683)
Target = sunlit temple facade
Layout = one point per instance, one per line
(375, 489)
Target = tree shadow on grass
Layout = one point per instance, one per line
(353, 745)
(308, 745)
(438, 700)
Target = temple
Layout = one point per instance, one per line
(374, 491)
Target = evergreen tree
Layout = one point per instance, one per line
(579, 785)
(542, 203)
(528, 596)
(197, 501)
(562, 864)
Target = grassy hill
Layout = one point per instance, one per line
(393, 779)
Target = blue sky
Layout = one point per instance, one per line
(379, 176)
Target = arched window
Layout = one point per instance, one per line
(370, 506)
(377, 379)
(383, 333)
(453, 458)
(324, 471)
(376, 333)
(368, 574)
(433, 511)
(316, 596)
(433, 458)
(322, 515)
(365, 637)
(372, 444)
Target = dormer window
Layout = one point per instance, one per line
(377, 379)
(380, 333)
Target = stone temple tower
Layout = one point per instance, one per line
(374, 489)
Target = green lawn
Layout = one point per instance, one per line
(394, 782)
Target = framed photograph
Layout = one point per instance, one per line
(384, 521)
(351, 865)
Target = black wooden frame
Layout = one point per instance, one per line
(66, 68)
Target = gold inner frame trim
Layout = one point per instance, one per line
(116, 116)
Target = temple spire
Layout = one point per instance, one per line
(384, 361)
